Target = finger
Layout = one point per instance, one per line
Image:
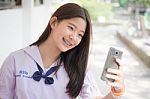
(113, 71)
(114, 84)
(115, 77)
(119, 62)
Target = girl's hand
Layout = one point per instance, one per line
(117, 87)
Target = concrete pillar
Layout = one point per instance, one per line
(27, 6)
(143, 28)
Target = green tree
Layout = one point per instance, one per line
(96, 8)
(123, 3)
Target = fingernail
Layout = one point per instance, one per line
(108, 70)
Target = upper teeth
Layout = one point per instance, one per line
(67, 42)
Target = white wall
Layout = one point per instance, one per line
(21, 27)
(40, 19)
(10, 31)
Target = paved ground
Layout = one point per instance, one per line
(137, 75)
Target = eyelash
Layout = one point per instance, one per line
(71, 28)
(80, 35)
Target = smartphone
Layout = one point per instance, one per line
(113, 54)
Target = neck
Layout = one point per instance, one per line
(49, 52)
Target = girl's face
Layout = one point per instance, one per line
(67, 33)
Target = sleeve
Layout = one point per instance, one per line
(7, 78)
(89, 90)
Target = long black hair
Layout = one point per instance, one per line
(74, 60)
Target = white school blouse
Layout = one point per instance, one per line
(16, 80)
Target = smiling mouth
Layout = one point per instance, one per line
(67, 42)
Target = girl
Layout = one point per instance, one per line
(55, 66)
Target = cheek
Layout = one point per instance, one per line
(60, 32)
(78, 42)
(57, 33)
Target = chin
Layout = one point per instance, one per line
(65, 49)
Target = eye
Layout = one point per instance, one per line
(80, 35)
(71, 28)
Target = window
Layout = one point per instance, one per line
(9, 4)
(38, 2)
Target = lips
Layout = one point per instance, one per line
(67, 42)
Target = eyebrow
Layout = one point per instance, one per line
(76, 27)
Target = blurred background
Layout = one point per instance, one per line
(123, 24)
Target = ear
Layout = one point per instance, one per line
(53, 22)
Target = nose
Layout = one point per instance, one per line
(73, 38)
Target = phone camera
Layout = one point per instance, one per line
(116, 52)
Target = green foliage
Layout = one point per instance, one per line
(147, 3)
(123, 3)
(96, 8)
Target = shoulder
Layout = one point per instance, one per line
(19, 52)
(23, 52)
(14, 56)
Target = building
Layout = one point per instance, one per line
(21, 23)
